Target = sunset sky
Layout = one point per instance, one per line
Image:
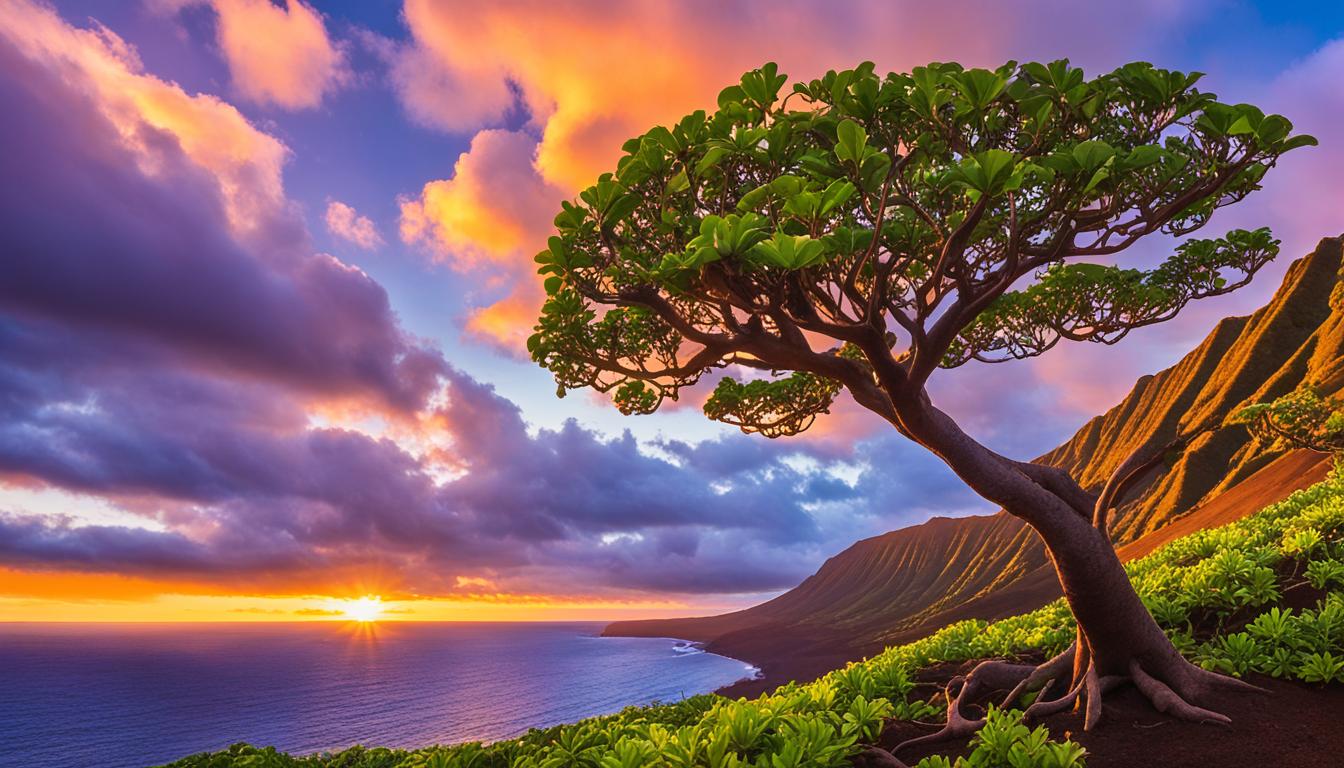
(267, 273)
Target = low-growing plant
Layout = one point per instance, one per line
(1281, 662)
(1275, 626)
(1302, 543)
(1321, 668)
(865, 718)
(1322, 574)
(1005, 742)
(1235, 654)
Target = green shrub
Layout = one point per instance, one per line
(1323, 574)
(1321, 668)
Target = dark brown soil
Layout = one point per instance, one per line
(1294, 725)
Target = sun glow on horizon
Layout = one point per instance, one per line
(40, 596)
(366, 609)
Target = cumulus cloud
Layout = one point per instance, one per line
(583, 72)
(346, 223)
(148, 114)
(253, 497)
(493, 206)
(278, 54)
(490, 215)
(438, 95)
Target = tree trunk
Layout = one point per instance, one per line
(1114, 622)
(1118, 639)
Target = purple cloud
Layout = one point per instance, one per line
(92, 239)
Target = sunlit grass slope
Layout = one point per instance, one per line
(1221, 594)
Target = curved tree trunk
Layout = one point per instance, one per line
(1118, 639)
(1117, 626)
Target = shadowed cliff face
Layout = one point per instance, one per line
(906, 583)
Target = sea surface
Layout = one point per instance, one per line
(129, 696)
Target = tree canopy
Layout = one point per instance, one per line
(863, 231)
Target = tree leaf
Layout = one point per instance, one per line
(851, 139)
(619, 208)
(836, 194)
(1092, 154)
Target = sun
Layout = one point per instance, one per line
(365, 609)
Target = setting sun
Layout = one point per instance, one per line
(365, 609)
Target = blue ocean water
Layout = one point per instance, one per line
(128, 696)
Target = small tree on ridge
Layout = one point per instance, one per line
(866, 231)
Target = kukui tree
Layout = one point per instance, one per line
(1303, 418)
(863, 232)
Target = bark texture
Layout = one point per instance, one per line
(1118, 640)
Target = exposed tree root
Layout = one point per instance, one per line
(1043, 676)
(987, 676)
(1180, 682)
(1208, 679)
(1046, 708)
(877, 757)
(1169, 702)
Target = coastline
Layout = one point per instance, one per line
(776, 658)
(756, 681)
(772, 672)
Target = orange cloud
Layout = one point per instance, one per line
(508, 321)
(245, 162)
(494, 206)
(276, 55)
(346, 223)
(86, 597)
(70, 586)
(494, 213)
(478, 582)
(591, 75)
(448, 96)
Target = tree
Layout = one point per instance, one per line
(1301, 419)
(886, 227)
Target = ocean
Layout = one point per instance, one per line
(130, 696)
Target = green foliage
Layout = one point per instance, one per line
(1005, 742)
(1323, 574)
(1321, 668)
(1216, 574)
(859, 203)
(1103, 303)
(773, 406)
